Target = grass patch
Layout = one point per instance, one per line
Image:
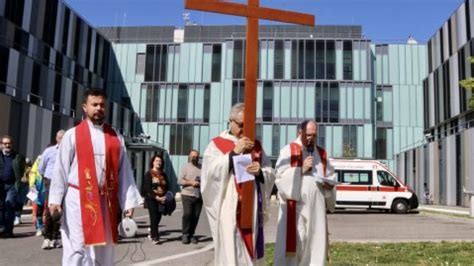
(421, 253)
(427, 212)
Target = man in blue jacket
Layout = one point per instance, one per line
(12, 167)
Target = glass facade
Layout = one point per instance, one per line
(179, 93)
(345, 84)
(443, 158)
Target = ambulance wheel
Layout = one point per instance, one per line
(399, 206)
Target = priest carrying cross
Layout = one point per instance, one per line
(244, 207)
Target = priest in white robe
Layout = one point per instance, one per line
(221, 194)
(92, 176)
(302, 237)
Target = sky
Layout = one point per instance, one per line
(388, 21)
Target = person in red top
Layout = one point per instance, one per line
(155, 186)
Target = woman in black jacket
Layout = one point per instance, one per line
(155, 186)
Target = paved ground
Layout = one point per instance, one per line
(351, 226)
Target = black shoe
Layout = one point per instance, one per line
(7, 235)
(185, 239)
(194, 240)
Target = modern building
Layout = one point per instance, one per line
(445, 160)
(48, 56)
(367, 98)
(177, 85)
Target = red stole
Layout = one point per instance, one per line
(93, 225)
(226, 146)
(291, 227)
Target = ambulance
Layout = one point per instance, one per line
(368, 184)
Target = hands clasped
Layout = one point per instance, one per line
(244, 144)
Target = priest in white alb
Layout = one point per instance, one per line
(222, 194)
(302, 173)
(91, 182)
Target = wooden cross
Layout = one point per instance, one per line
(253, 12)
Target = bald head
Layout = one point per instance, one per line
(308, 133)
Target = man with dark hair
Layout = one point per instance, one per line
(12, 167)
(92, 175)
(304, 194)
(190, 181)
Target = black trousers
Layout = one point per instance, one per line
(155, 217)
(51, 228)
(191, 210)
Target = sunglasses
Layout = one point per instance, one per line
(240, 125)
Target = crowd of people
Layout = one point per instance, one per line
(86, 171)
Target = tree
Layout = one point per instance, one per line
(468, 84)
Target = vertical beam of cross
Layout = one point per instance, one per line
(253, 12)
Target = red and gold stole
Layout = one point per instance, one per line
(91, 211)
(291, 226)
(226, 146)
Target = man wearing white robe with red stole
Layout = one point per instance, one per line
(92, 176)
(221, 194)
(302, 237)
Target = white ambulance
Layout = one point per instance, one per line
(369, 184)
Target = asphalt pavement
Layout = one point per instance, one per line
(347, 226)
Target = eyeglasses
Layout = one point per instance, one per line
(7, 143)
(240, 125)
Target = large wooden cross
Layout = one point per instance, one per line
(253, 12)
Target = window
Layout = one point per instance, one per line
(67, 14)
(279, 63)
(325, 98)
(216, 63)
(182, 103)
(347, 60)
(294, 59)
(35, 86)
(356, 177)
(267, 113)
(333, 102)
(50, 15)
(238, 91)
(57, 92)
(89, 47)
(349, 141)
(5, 55)
(276, 140)
(150, 55)
(381, 144)
(237, 67)
(152, 101)
(156, 60)
(301, 57)
(163, 63)
(330, 60)
(309, 59)
(379, 104)
(140, 66)
(320, 60)
(207, 103)
(321, 141)
(77, 39)
(14, 11)
(181, 139)
(318, 105)
(385, 179)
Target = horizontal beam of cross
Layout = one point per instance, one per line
(242, 10)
